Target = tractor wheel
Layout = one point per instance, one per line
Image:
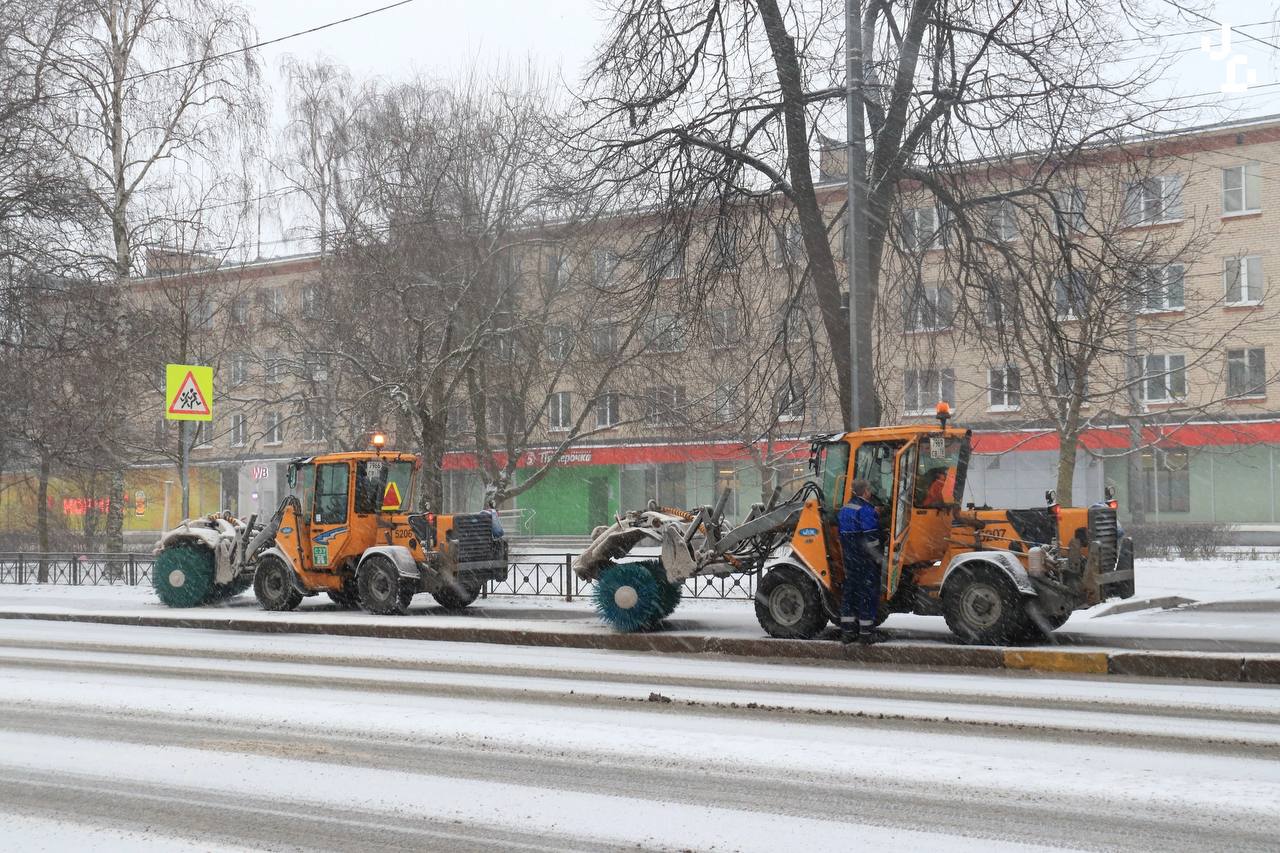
(984, 607)
(628, 598)
(381, 589)
(455, 595)
(347, 598)
(183, 575)
(1040, 624)
(273, 584)
(789, 604)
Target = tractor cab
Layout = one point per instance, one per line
(916, 475)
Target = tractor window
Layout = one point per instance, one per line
(833, 471)
(396, 496)
(936, 473)
(303, 488)
(369, 485)
(331, 493)
(874, 463)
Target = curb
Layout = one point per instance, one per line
(1167, 665)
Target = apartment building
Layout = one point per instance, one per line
(676, 404)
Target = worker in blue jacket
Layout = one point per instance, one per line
(860, 543)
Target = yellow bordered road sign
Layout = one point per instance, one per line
(188, 392)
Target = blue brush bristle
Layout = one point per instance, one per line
(648, 608)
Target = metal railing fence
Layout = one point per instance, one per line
(542, 576)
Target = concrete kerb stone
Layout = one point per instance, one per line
(1173, 665)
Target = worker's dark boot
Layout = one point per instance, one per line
(848, 634)
(871, 637)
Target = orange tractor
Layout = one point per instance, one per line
(345, 530)
(996, 575)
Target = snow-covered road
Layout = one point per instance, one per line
(128, 737)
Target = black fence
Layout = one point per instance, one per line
(546, 577)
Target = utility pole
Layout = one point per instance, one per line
(1133, 469)
(860, 414)
(184, 443)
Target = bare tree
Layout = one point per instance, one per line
(707, 102)
(148, 92)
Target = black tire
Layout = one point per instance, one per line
(183, 575)
(789, 604)
(456, 595)
(982, 606)
(347, 598)
(274, 585)
(380, 587)
(1044, 626)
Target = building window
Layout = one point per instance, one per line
(273, 368)
(1241, 189)
(201, 313)
(457, 419)
(725, 330)
(1004, 389)
(923, 228)
(726, 403)
(560, 411)
(239, 313)
(1167, 475)
(275, 429)
(311, 301)
(926, 388)
(1070, 296)
(271, 301)
(668, 259)
(1161, 289)
(559, 342)
(502, 416)
(664, 404)
(239, 430)
(604, 338)
(1243, 280)
(788, 244)
(239, 369)
(1066, 378)
(558, 270)
(789, 402)
(604, 266)
(314, 428)
(1153, 200)
(607, 406)
(1001, 220)
(930, 310)
(666, 334)
(1247, 372)
(317, 367)
(725, 246)
(993, 308)
(203, 434)
(1068, 209)
(1164, 378)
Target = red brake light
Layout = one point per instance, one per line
(1057, 511)
(1113, 504)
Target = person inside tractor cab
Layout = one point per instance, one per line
(932, 488)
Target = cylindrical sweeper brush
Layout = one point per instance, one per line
(635, 596)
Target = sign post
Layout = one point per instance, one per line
(188, 396)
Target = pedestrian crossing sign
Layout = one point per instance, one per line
(188, 392)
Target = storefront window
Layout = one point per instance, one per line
(1166, 477)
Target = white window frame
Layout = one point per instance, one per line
(1164, 367)
(1001, 218)
(666, 334)
(314, 431)
(788, 244)
(927, 302)
(915, 222)
(999, 396)
(667, 261)
(239, 430)
(1069, 210)
(239, 369)
(274, 434)
(604, 332)
(664, 401)
(792, 403)
(559, 342)
(726, 330)
(1245, 197)
(726, 403)
(560, 411)
(1245, 356)
(1246, 268)
(311, 301)
(1158, 282)
(1065, 285)
(608, 408)
(1153, 201)
(604, 266)
(273, 368)
(942, 383)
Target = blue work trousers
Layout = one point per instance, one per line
(860, 595)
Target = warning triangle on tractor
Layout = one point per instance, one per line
(189, 400)
(391, 497)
